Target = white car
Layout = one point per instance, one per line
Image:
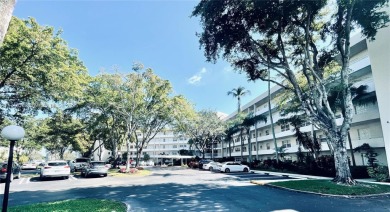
(29, 166)
(232, 166)
(211, 166)
(58, 168)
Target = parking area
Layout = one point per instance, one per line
(248, 176)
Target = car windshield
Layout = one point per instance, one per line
(57, 164)
(81, 160)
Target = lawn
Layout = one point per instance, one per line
(81, 205)
(328, 187)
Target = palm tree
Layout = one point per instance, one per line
(238, 92)
(246, 124)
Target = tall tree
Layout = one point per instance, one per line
(238, 93)
(294, 38)
(159, 110)
(248, 122)
(37, 69)
(6, 9)
(203, 129)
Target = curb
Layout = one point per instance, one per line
(315, 193)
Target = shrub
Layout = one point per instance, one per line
(132, 170)
(380, 173)
(359, 172)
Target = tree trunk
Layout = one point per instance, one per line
(128, 155)
(351, 148)
(343, 174)
(230, 148)
(242, 145)
(249, 145)
(6, 9)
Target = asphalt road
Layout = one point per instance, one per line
(176, 189)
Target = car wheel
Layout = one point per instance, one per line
(246, 170)
(211, 169)
(227, 170)
(104, 175)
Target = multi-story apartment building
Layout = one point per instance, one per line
(368, 67)
(165, 143)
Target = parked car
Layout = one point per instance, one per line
(231, 166)
(71, 165)
(15, 173)
(193, 164)
(204, 161)
(79, 163)
(211, 166)
(94, 168)
(29, 165)
(57, 168)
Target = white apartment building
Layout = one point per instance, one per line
(165, 143)
(370, 64)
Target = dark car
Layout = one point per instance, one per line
(203, 161)
(15, 173)
(193, 164)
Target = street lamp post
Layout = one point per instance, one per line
(12, 133)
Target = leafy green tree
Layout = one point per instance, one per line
(294, 38)
(238, 92)
(146, 157)
(37, 69)
(158, 109)
(203, 129)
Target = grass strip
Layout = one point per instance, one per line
(79, 205)
(329, 187)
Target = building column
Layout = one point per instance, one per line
(379, 53)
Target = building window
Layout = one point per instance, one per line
(253, 135)
(364, 133)
(254, 147)
(174, 139)
(261, 146)
(164, 140)
(185, 145)
(267, 132)
(286, 144)
(237, 149)
(174, 146)
(244, 148)
(268, 146)
(163, 146)
(285, 127)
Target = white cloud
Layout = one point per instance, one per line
(197, 77)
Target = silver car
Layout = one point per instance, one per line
(94, 168)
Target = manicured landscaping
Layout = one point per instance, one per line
(81, 205)
(328, 187)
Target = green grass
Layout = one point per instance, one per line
(328, 187)
(79, 205)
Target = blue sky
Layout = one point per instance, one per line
(158, 33)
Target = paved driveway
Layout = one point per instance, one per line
(176, 189)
